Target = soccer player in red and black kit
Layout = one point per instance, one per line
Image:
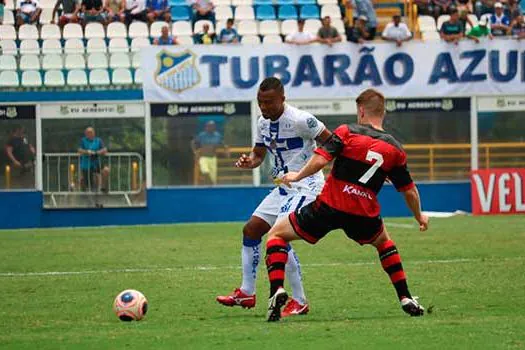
(365, 156)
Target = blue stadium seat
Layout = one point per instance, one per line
(285, 2)
(306, 2)
(178, 3)
(309, 12)
(287, 12)
(262, 2)
(180, 13)
(265, 12)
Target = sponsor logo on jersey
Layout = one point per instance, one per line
(311, 122)
(356, 192)
(177, 71)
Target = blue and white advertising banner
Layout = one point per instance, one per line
(417, 69)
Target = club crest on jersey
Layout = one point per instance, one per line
(311, 122)
(177, 71)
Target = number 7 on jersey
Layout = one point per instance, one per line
(371, 156)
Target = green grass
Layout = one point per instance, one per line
(471, 269)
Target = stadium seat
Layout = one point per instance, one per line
(333, 11)
(306, 2)
(10, 4)
(73, 31)
(46, 16)
(223, 13)
(138, 30)
(54, 78)
(178, 3)
(247, 27)
(442, 19)
(285, 2)
(99, 77)
(29, 46)
(156, 28)
(137, 77)
(31, 78)
(250, 39)
(338, 24)
(77, 77)
(118, 45)
(269, 28)
(219, 26)
(9, 78)
(312, 26)
(242, 2)
(135, 62)
(52, 61)
(94, 30)
(287, 12)
(9, 17)
(75, 61)
(327, 2)
(47, 4)
(288, 26)
(96, 45)
(265, 12)
(74, 46)
(199, 24)
(122, 76)
(7, 62)
(29, 62)
(138, 43)
(427, 23)
(309, 12)
(244, 12)
(272, 39)
(262, 2)
(428, 36)
(119, 60)
(97, 61)
(186, 40)
(181, 28)
(180, 13)
(50, 31)
(222, 3)
(7, 32)
(51, 46)
(27, 31)
(8, 47)
(117, 30)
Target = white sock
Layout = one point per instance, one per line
(251, 255)
(295, 277)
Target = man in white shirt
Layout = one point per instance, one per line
(28, 12)
(396, 31)
(134, 10)
(300, 37)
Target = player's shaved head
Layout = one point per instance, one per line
(272, 83)
(372, 103)
(271, 98)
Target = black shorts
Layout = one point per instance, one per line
(313, 221)
(89, 177)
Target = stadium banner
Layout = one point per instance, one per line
(91, 110)
(498, 191)
(10, 112)
(232, 72)
(428, 104)
(199, 109)
(501, 104)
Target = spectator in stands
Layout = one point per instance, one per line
(93, 11)
(327, 34)
(514, 9)
(229, 34)
(482, 7)
(499, 22)
(441, 7)
(21, 155)
(452, 31)
(70, 12)
(397, 31)
(158, 10)
(517, 29)
(464, 19)
(357, 33)
(91, 148)
(134, 10)
(205, 147)
(464, 6)
(165, 38)
(205, 37)
(28, 13)
(203, 9)
(300, 37)
(480, 31)
(365, 8)
(114, 9)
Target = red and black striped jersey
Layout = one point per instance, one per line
(364, 158)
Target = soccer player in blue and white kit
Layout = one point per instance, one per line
(290, 135)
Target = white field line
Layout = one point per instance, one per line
(236, 267)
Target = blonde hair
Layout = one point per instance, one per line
(373, 102)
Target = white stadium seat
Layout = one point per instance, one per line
(31, 78)
(156, 28)
(219, 26)
(96, 45)
(27, 31)
(269, 28)
(332, 11)
(138, 43)
(46, 16)
(10, 4)
(50, 31)
(8, 47)
(29, 62)
(99, 77)
(94, 30)
(54, 78)
(118, 45)
(137, 77)
(181, 28)
(474, 19)
(326, 2)
(51, 46)
(222, 3)
(77, 77)
(74, 46)
(185, 40)
(117, 30)
(75, 61)
(242, 2)
(7, 62)
(73, 31)
(9, 17)
(247, 27)
(7, 32)
(250, 39)
(29, 46)
(289, 26)
(47, 4)
(244, 12)
(442, 19)
(312, 26)
(52, 61)
(9, 78)
(222, 13)
(426, 36)
(135, 62)
(119, 60)
(338, 24)
(272, 39)
(122, 76)
(97, 60)
(200, 24)
(138, 30)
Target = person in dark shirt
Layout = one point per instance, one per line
(205, 37)
(517, 29)
(452, 31)
(93, 11)
(91, 149)
(357, 34)
(21, 155)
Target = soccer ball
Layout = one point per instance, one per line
(130, 305)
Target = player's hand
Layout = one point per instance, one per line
(17, 164)
(244, 162)
(423, 222)
(288, 178)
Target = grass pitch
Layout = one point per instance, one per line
(57, 289)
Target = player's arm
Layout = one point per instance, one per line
(253, 160)
(414, 204)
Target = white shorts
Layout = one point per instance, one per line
(276, 205)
